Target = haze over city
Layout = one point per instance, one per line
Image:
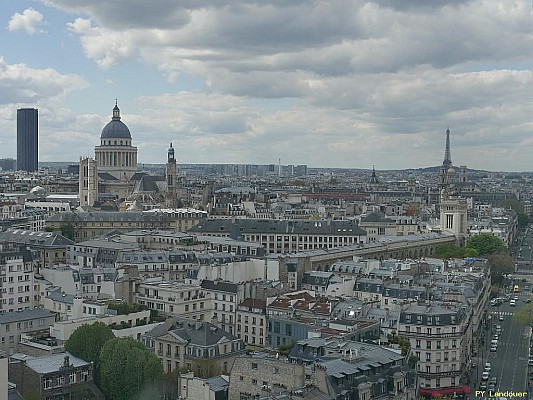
(328, 84)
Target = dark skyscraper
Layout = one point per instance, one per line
(27, 139)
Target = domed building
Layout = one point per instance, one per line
(112, 174)
(115, 155)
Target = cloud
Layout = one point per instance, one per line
(108, 48)
(29, 21)
(336, 83)
(20, 83)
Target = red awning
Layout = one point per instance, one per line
(445, 391)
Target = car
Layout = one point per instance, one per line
(512, 303)
(493, 347)
(527, 300)
(501, 318)
(487, 367)
(495, 337)
(485, 376)
(526, 287)
(530, 362)
(492, 386)
(483, 386)
(515, 298)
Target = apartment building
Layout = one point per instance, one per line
(16, 279)
(225, 298)
(285, 236)
(253, 375)
(438, 333)
(252, 325)
(377, 225)
(88, 225)
(200, 346)
(174, 298)
(351, 370)
(98, 252)
(54, 376)
(14, 324)
(48, 248)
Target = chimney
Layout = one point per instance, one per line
(66, 362)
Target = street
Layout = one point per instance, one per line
(509, 363)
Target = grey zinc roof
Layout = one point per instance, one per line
(376, 217)
(44, 239)
(341, 228)
(205, 335)
(120, 216)
(25, 315)
(52, 363)
(108, 244)
(61, 297)
(222, 286)
(217, 383)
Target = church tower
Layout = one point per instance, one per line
(446, 172)
(88, 182)
(453, 208)
(171, 175)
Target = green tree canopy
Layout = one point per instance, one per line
(486, 243)
(32, 394)
(448, 251)
(87, 341)
(524, 316)
(126, 368)
(67, 230)
(445, 251)
(500, 265)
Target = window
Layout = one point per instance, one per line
(47, 383)
(254, 365)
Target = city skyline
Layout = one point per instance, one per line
(307, 82)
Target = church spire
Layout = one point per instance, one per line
(447, 163)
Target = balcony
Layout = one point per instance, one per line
(441, 374)
(430, 335)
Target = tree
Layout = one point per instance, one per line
(486, 243)
(524, 316)
(206, 368)
(518, 207)
(285, 349)
(500, 265)
(470, 252)
(32, 394)
(126, 368)
(445, 251)
(67, 230)
(87, 341)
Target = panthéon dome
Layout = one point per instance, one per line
(115, 129)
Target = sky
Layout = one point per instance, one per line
(333, 83)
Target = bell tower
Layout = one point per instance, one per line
(171, 173)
